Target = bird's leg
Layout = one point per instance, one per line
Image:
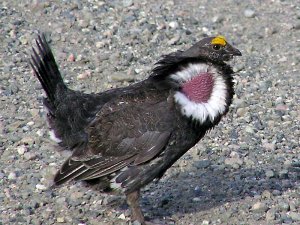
(134, 204)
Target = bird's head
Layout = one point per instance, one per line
(213, 48)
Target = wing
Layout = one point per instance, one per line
(122, 134)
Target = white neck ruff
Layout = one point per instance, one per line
(216, 104)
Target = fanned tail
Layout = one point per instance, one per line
(45, 69)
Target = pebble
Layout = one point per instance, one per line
(60, 219)
(294, 216)
(122, 77)
(127, 3)
(270, 174)
(233, 162)
(40, 187)
(136, 223)
(270, 215)
(249, 13)
(122, 216)
(269, 146)
(71, 58)
(284, 174)
(284, 206)
(205, 222)
(174, 24)
(29, 155)
(196, 199)
(12, 176)
(84, 75)
(217, 19)
(21, 149)
(249, 129)
(259, 207)
(174, 40)
(203, 164)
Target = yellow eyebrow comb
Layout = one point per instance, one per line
(219, 40)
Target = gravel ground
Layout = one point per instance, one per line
(246, 171)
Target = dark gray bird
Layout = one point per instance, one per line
(127, 137)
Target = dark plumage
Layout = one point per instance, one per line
(130, 136)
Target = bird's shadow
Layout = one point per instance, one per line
(202, 189)
(196, 190)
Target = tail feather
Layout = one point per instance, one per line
(45, 68)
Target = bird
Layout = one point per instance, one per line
(127, 137)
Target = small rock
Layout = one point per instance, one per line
(27, 140)
(30, 123)
(266, 194)
(76, 195)
(270, 174)
(269, 146)
(71, 58)
(174, 24)
(233, 162)
(283, 59)
(281, 107)
(249, 129)
(241, 112)
(136, 223)
(270, 215)
(29, 155)
(40, 132)
(122, 216)
(202, 164)
(284, 174)
(122, 77)
(12, 176)
(23, 40)
(100, 44)
(83, 23)
(60, 219)
(196, 199)
(276, 192)
(217, 19)
(84, 75)
(21, 149)
(249, 13)
(295, 216)
(174, 40)
(284, 206)
(205, 222)
(259, 207)
(127, 3)
(40, 187)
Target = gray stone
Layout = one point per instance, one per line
(127, 3)
(284, 206)
(294, 216)
(12, 176)
(270, 174)
(259, 207)
(249, 13)
(270, 215)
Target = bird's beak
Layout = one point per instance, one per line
(236, 52)
(229, 52)
(232, 51)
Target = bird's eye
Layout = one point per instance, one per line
(216, 47)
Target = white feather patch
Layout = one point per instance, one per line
(191, 71)
(53, 137)
(215, 105)
(114, 184)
